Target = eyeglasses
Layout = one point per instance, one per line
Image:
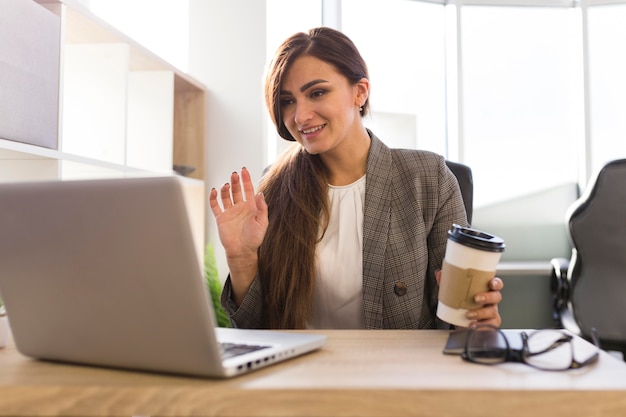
(548, 349)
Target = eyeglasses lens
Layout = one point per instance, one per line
(548, 349)
(487, 345)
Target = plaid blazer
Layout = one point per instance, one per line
(411, 200)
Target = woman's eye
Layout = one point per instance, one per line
(285, 101)
(317, 93)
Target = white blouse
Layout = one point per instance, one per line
(338, 300)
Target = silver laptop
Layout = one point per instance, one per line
(105, 273)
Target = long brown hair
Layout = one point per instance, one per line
(296, 187)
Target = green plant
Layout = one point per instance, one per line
(214, 286)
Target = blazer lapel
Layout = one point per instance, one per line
(376, 221)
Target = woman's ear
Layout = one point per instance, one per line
(362, 91)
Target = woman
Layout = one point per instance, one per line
(345, 232)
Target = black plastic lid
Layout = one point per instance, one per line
(476, 239)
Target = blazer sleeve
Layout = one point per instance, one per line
(249, 315)
(450, 210)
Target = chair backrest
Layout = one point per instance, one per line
(597, 271)
(463, 174)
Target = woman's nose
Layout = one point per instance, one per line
(303, 113)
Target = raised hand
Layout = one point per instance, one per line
(241, 223)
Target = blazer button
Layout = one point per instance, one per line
(399, 288)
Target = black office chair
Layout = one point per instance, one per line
(588, 290)
(463, 174)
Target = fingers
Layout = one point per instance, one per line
(248, 188)
(260, 202)
(496, 284)
(488, 313)
(485, 315)
(224, 196)
(491, 297)
(232, 192)
(215, 207)
(235, 188)
(261, 206)
(494, 296)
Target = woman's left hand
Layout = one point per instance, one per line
(489, 300)
(488, 313)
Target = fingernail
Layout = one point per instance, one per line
(471, 315)
(479, 298)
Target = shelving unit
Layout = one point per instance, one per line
(154, 112)
(92, 103)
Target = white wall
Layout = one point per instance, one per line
(227, 53)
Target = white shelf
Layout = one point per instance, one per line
(83, 100)
(115, 104)
(23, 162)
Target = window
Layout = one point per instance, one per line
(607, 84)
(403, 44)
(522, 92)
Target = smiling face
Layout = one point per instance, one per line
(319, 106)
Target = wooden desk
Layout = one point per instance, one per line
(361, 373)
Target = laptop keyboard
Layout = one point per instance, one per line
(230, 350)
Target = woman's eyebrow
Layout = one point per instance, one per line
(311, 84)
(305, 86)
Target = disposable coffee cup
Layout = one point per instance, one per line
(469, 264)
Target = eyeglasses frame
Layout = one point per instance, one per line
(521, 356)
